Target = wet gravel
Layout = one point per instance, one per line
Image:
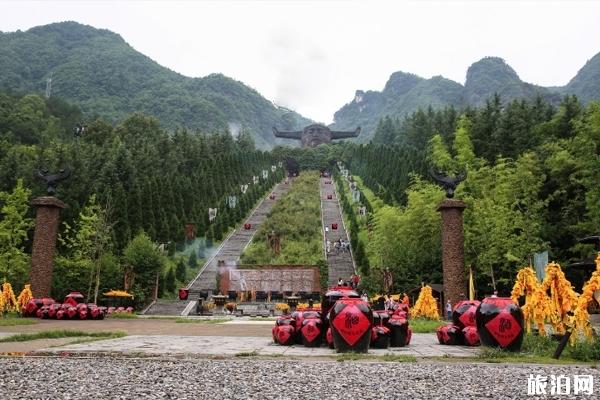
(127, 378)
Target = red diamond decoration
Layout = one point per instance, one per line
(468, 317)
(310, 331)
(283, 335)
(351, 324)
(504, 328)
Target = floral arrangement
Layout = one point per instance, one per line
(426, 305)
(537, 303)
(563, 299)
(304, 307)
(24, 296)
(9, 302)
(581, 317)
(283, 307)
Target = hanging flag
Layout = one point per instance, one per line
(355, 196)
(212, 214)
(232, 201)
(243, 188)
(362, 211)
(471, 285)
(280, 164)
(254, 179)
(265, 174)
(540, 260)
(273, 168)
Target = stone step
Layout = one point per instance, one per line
(167, 307)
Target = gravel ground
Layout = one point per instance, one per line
(126, 378)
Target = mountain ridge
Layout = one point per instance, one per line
(98, 70)
(406, 92)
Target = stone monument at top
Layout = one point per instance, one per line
(315, 134)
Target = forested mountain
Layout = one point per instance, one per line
(105, 76)
(405, 93)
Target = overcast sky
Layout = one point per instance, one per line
(311, 56)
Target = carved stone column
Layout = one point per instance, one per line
(44, 243)
(453, 253)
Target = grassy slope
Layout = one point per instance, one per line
(297, 219)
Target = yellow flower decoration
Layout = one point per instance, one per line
(10, 301)
(426, 305)
(24, 296)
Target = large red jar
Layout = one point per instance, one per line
(351, 320)
(464, 313)
(500, 323)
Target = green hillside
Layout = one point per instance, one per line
(406, 93)
(105, 76)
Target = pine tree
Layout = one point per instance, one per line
(170, 283)
(193, 260)
(180, 272)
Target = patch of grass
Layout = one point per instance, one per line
(121, 315)
(398, 358)
(422, 325)
(253, 353)
(57, 334)
(540, 349)
(10, 321)
(182, 320)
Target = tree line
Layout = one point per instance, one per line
(144, 177)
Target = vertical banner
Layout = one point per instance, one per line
(471, 285)
(540, 260)
(232, 201)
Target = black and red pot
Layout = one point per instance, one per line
(311, 332)
(500, 323)
(450, 334)
(183, 293)
(331, 296)
(329, 338)
(285, 335)
(470, 335)
(398, 331)
(380, 337)
(351, 320)
(464, 313)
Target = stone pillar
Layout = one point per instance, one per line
(44, 242)
(453, 252)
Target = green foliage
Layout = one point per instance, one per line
(422, 325)
(193, 260)
(180, 272)
(14, 223)
(145, 261)
(170, 283)
(57, 334)
(296, 218)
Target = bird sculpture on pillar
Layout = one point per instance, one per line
(52, 180)
(447, 182)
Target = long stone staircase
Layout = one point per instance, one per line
(341, 264)
(227, 253)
